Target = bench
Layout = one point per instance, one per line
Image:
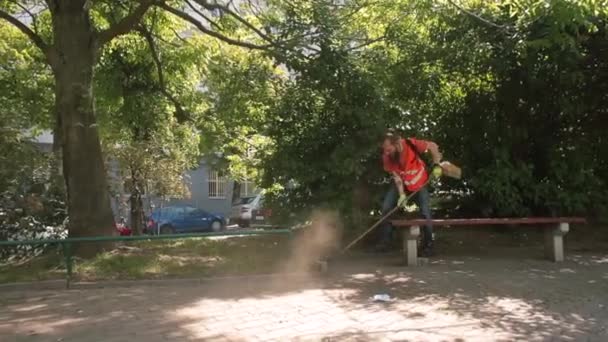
(555, 229)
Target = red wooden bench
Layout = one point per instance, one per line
(555, 229)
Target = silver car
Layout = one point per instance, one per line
(247, 210)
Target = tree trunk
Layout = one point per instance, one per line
(137, 206)
(57, 182)
(83, 168)
(236, 191)
(137, 213)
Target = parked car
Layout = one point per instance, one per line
(250, 210)
(183, 219)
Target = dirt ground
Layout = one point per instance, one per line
(490, 287)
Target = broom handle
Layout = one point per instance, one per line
(382, 218)
(370, 229)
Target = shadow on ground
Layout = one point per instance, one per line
(483, 289)
(463, 298)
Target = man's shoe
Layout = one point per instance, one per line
(427, 249)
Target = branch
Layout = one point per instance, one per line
(173, 44)
(209, 32)
(211, 22)
(255, 10)
(181, 114)
(32, 16)
(235, 16)
(369, 42)
(179, 37)
(478, 17)
(126, 24)
(36, 39)
(350, 15)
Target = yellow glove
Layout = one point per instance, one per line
(437, 171)
(402, 201)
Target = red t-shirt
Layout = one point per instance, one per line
(412, 169)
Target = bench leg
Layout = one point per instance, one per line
(554, 241)
(410, 248)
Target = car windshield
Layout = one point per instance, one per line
(245, 200)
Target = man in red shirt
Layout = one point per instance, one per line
(408, 172)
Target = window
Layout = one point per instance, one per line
(217, 185)
(248, 188)
(198, 213)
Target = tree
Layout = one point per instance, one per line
(325, 127)
(29, 208)
(25, 104)
(515, 96)
(77, 32)
(239, 87)
(140, 133)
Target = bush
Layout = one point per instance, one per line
(30, 218)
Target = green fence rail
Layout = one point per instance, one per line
(66, 244)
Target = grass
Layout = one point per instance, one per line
(206, 257)
(197, 257)
(45, 267)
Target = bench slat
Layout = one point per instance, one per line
(488, 221)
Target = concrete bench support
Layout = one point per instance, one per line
(554, 241)
(410, 245)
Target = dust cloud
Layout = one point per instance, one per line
(314, 242)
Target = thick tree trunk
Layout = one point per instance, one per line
(83, 168)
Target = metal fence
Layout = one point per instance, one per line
(66, 244)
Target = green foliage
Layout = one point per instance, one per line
(513, 91)
(26, 86)
(515, 97)
(148, 120)
(327, 126)
(531, 137)
(29, 207)
(239, 87)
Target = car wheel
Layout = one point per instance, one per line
(167, 229)
(216, 226)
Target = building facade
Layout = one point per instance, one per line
(209, 189)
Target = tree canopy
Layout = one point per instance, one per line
(297, 95)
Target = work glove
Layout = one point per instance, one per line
(402, 201)
(437, 171)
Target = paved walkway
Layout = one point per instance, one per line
(448, 300)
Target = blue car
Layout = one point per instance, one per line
(183, 219)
